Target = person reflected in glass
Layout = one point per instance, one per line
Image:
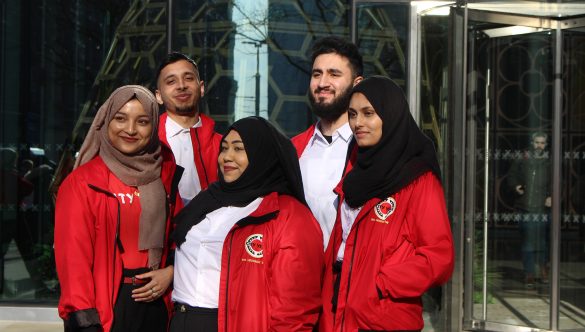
(392, 239)
(112, 221)
(13, 190)
(249, 252)
(529, 178)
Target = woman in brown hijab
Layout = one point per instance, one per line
(112, 221)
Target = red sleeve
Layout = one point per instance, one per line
(74, 248)
(297, 266)
(431, 263)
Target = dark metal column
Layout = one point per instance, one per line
(556, 180)
(170, 25)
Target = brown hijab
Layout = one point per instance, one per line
(141, 169)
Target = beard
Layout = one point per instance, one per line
(186, 110)
(332, 111)
(538, 153)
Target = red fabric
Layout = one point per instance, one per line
(204, 140)
(388, 264)
(301, 140)
(129, 199)
(85, 228)
(279, 291)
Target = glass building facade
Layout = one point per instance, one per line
(484, 80)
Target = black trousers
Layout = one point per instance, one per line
(132, 316)
(193, 319)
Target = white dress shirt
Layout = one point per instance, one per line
(179, 139)
(348, 215)
(322, 165)
(198, 260)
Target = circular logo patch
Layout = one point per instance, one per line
(253, 245)
(385, 208)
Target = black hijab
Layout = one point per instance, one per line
(273, 166)
(403, 153)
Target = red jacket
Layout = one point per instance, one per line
(271, 269)
(206, 144)
(88, 263)
(395, 251)
(301, 140)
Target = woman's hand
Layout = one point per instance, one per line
(160, 280)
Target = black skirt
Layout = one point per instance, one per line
(132, 316)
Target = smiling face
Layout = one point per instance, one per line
(331, 82)
(179, 88)
(232, 159)
(130, 129)
(364, 122)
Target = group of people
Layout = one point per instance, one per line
(166, 225)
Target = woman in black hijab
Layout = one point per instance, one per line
(248, 246)
(392, 237)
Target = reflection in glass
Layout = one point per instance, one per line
(50, 58)
(512, 108)
(572, 251)
(382, 36)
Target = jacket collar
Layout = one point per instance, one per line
(206, 129)
(267, 210)
(343, 132)
(302, 140)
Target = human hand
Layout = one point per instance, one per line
(520, 189)
(548, 202)
(160, 280)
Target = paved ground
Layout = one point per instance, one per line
(13, 326)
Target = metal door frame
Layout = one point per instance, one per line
(556, 26)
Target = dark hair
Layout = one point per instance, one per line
(172, 58)
(338, 45)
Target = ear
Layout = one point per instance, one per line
(357, 80)
(202, 87)
(158, 97)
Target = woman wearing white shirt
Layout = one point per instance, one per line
(249, 250)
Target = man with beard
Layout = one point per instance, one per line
(323, 148)
(529, 178)
(188, 133)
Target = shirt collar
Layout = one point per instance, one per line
(343, 132)
(174, 129)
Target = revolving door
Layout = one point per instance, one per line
(523, 203)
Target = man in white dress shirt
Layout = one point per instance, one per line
(323, 148)
(187, 132)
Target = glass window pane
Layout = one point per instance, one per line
(52, 74)
(572, 251)
(511, 108)
(382, 36)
